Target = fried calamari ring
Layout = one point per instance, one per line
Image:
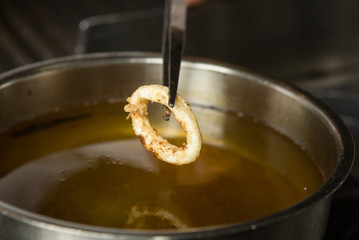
(137, 107)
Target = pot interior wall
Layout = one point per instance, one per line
(43, 89)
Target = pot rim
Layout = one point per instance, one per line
(329, 187)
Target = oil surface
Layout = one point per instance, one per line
(85, 165)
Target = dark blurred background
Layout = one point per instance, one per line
(288, 39)
(34, 30)
(313, 44)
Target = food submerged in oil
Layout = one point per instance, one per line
(84, 165)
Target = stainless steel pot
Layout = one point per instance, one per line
(41, 87)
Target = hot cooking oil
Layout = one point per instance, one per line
(85, 165)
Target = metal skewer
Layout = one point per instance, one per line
(174, 31)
